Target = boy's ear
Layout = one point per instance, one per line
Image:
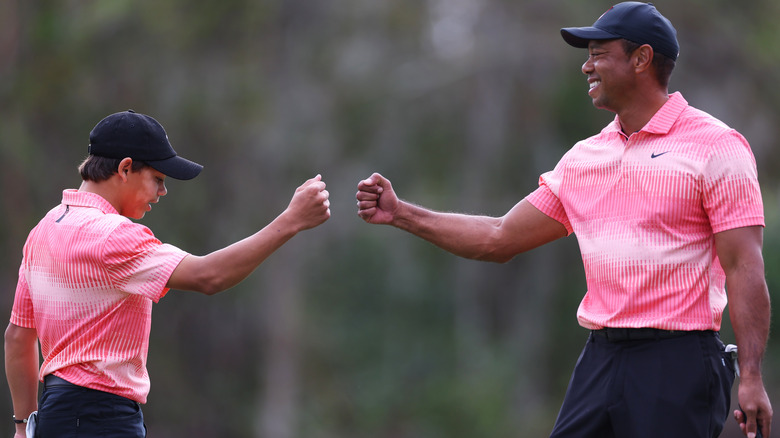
(125, 166)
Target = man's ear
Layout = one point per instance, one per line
(125, 167)
(643, 58)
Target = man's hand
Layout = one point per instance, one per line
(756, 409)
(376, 200)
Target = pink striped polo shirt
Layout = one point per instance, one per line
(644, 209)
(86, 284)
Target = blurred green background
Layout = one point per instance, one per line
(353, 330)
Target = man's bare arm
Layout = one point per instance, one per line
(739, 251)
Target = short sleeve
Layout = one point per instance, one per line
(22, 310)
(731, 195)
(138, 263)
(548, 203)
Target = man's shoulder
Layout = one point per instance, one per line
(695, 118)
(699, 130)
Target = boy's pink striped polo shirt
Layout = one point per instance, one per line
(86, 284)
(644, 209)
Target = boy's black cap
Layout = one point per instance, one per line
(635, 21)
(142, 138)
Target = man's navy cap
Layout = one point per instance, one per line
(142, 138)
(635, 21)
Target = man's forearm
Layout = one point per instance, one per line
(466, 236)
(749, 310)
(494, 239)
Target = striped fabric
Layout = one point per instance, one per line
(644, 209)
(86, 284)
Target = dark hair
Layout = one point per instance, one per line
(663, 64)
(97, 169)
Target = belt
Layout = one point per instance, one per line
(615, 334)
(52, 380)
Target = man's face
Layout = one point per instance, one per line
(142, 189)
(611, 77)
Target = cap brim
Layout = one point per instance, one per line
(176, 167)
(580, 36)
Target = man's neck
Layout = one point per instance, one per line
(634, 118)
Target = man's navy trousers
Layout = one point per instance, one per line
(647, 383)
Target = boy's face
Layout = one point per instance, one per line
(141, 189)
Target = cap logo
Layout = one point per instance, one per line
(605, 12)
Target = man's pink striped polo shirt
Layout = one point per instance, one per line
(644, 209)
(86, 284)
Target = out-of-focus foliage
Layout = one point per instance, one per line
(354, 330)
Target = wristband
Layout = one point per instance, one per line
(18, 421)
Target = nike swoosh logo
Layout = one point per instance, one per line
(654, 155)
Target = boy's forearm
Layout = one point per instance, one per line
(21, 368)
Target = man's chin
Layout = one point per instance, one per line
(602, 106)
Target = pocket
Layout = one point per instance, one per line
(727, 375)
(727, 360)
(724, 374)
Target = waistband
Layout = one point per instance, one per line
(52, 380)
(617, 334)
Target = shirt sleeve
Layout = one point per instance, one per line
(731, 195)
(138, 263)
(544, 199)
(22, 310)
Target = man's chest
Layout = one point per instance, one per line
(639, 182)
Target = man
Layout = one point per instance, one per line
(667, 210)
(90, 275)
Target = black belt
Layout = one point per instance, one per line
(615, 334)
(52, 380)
